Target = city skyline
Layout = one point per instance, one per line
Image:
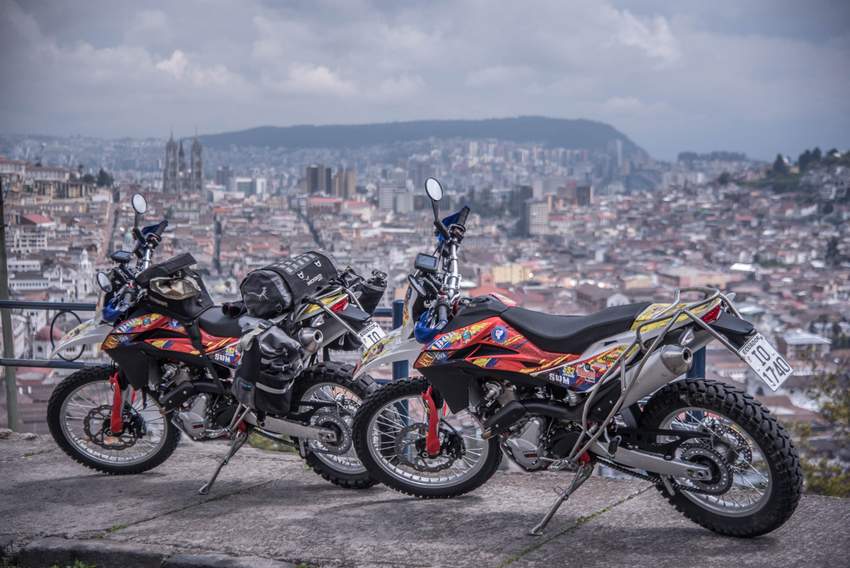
(762, 78)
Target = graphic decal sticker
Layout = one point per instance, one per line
(499, 334)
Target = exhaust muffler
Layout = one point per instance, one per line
(310, 339)
(662, 367)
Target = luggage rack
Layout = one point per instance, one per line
(678, 310)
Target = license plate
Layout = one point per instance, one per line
(371, 334)
(765, 361)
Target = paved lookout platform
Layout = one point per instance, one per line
(268, 509)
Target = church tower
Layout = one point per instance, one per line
(169, 171)
(197, 180)
(184, 171)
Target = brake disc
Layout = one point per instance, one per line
(420, 460)
(721, 472)
(334, 422)
(103, 435)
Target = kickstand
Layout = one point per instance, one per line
(239, 438)
(582, 475)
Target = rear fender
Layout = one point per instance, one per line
(87, 333)
(393, 348)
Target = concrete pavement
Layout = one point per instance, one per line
(268, 509)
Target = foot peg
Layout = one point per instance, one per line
(239, 439)
(583, 473)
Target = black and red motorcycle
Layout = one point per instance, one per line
(183, 364)
(567, 393)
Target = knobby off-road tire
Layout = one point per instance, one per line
(336, 373)
(395, 390)
(54, 418)
(772, 439)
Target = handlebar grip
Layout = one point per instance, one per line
(161, 227)
(462, 216)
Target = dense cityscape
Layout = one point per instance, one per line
(557, 229)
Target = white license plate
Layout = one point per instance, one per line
(371, 334)
(767, 363)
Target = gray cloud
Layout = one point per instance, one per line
(761, 77)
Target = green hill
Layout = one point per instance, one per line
(555, 132)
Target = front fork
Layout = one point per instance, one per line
(432, 437)
(119, 395)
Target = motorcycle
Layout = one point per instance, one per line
(567, 393)
(177, 358)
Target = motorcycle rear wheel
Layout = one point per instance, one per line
(327, 381)
(766, 476)
(78, 398)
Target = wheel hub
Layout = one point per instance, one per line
(410, 448)
(721, 474)
(96, 425)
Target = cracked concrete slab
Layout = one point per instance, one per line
(270, 507)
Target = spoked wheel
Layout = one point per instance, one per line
(756, 478)
(390, 433)
(332, 382)
(79, 413)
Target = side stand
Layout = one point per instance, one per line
(239, 439)
(582, 475)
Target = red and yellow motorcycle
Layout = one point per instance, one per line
(557, 392)
(176, 357)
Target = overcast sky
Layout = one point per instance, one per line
(760, 76)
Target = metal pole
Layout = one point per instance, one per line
(6, 317)
(400, 368)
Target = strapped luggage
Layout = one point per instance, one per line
(272, 290)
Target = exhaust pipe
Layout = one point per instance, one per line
(310, 339)
(663, 366)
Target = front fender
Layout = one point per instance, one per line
(87, 333)
(391, 349)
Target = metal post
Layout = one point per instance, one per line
(697, 370)
(6, 317)
(400, 368)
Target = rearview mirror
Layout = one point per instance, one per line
(103, 282)
(433, 189)
(417, 286)
(140, 204)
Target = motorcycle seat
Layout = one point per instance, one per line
(572, 334)
(216, 322)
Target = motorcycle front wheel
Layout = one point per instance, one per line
(389, 436)
(78, 415)
(756, 475)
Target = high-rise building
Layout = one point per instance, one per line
(584, 195)
(535, 218)
(319, 179)
(223, 175)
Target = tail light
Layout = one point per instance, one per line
(712, 314)
(339, 306)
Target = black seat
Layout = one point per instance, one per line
(215, 322)
(572, 334)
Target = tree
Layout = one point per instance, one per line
(780, 168)
(805, 160)
(831, 391)
(816, 155)
(104, 179)
(725, 178)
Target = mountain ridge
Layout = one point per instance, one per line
(554, 132)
